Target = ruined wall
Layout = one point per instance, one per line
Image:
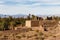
(35, 24)
(32, 23)
(28, 23)
(49, 24)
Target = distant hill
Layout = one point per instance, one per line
(25, 15)
(16, 16)
(19, 15)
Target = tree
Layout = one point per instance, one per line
(49, 18)
(33, 17)
(10, 18)
(29, 17)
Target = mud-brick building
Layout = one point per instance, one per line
(32, 23)
(42, 24)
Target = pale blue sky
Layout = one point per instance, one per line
(42, 7)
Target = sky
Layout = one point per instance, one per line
(37, 7)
